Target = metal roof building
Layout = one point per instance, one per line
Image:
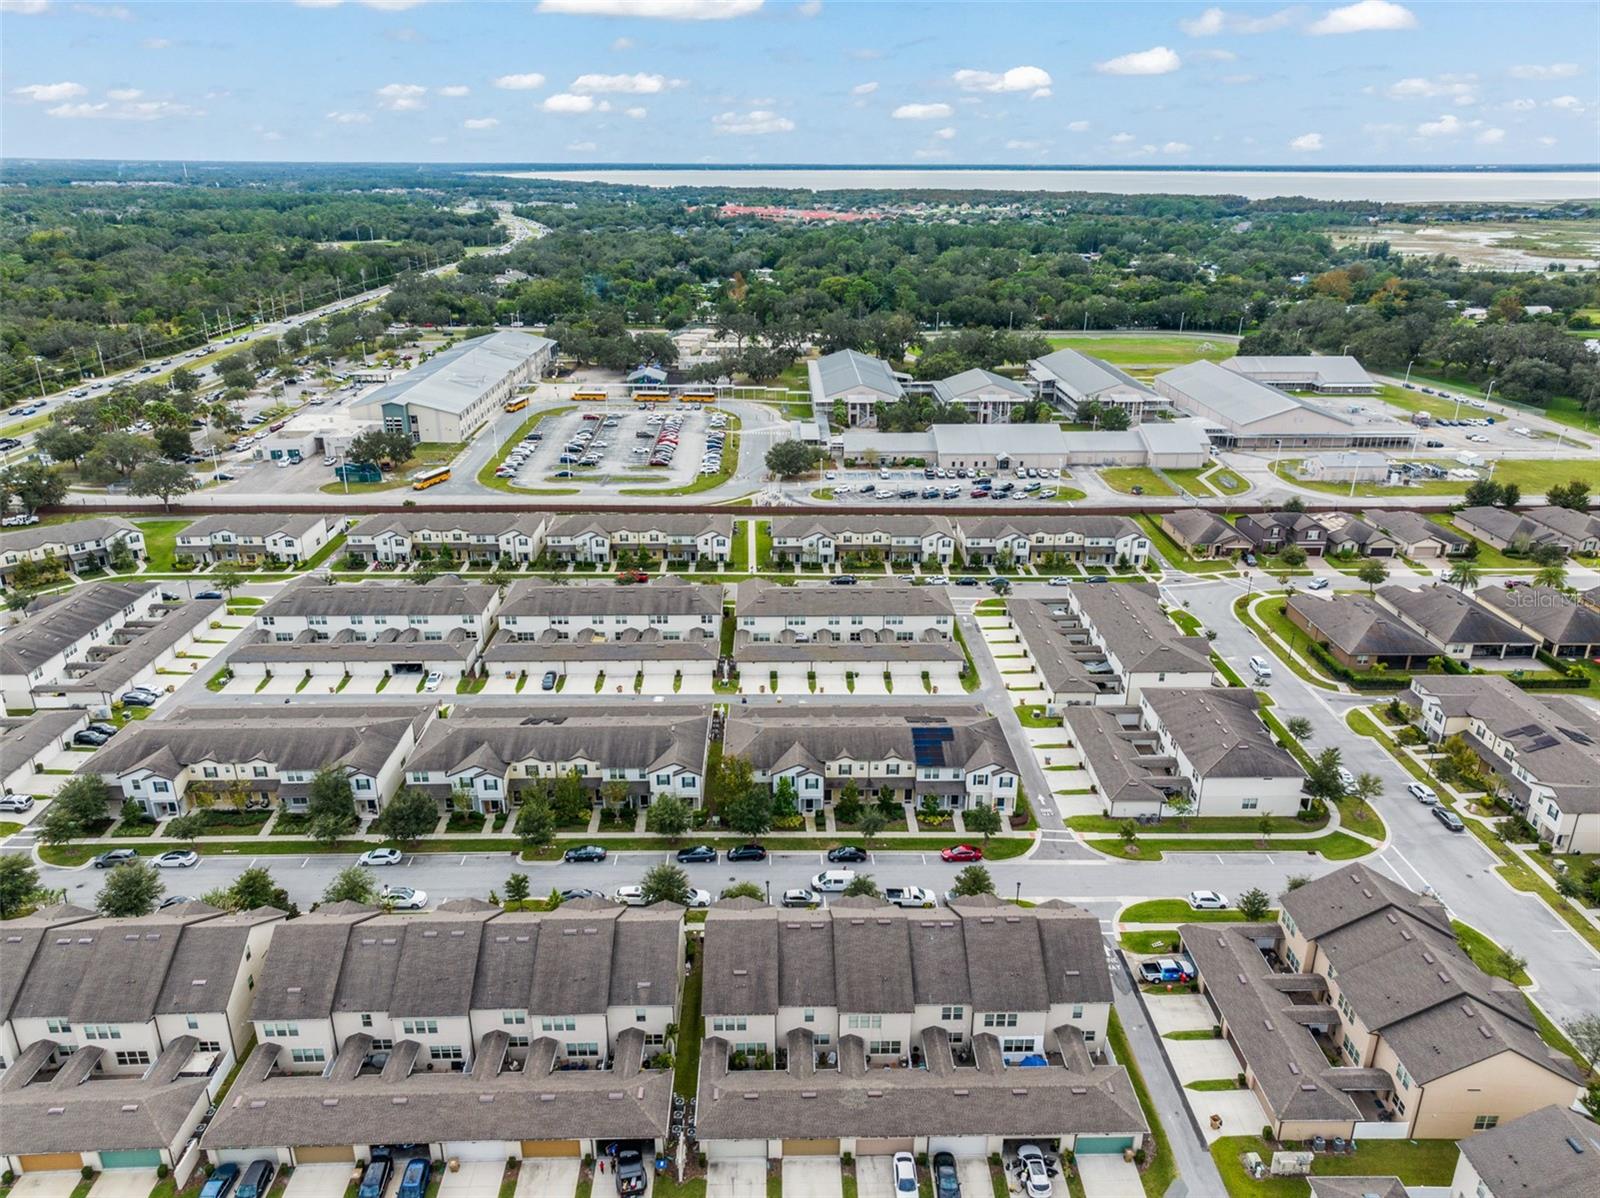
(454, 393)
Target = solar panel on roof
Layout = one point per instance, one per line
(927, 745)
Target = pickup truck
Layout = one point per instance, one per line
(909, 896)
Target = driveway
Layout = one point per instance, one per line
(973, 1173)
(474, 1179)
(1109, 1176)
(546, 1178)
(124, 1183)
(1180, 1013)
(57, 1183)
(736, 1179)
(875, 1177)
(1240, 1110)
(318, 1181)
(811, 1177)
(1197, 1060)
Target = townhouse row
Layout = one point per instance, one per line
(943, 541)
(1382, 534)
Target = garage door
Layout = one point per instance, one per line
(733, 1150)
(811, 1148)
(474, 1150)
(137, 1158)
(552, 1148)
(883, 1147)
(959, 1145)
(1102, 1145)
(313, 1155)
(47, 1162)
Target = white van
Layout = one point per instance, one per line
(1260, 668)
(833, 880)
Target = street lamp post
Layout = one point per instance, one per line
(1408, 371)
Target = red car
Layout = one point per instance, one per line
(961, 852)
(630, 576)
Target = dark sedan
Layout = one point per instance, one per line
(747, 852)
(700, 854)
(585, 852)
(847, 852)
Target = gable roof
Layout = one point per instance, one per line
(667, 596)
(1086, 374)
(451, 381)
(848, 370)
(1449, 617)
(974, 383)
(1220, 731)
(48, 628)
(1356, 625)
(1551, 1153)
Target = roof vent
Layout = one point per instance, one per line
(132, 936)
(1018, 1092)
(1308, 1087)
(485, 1097)
(458, 932)
(808, 1093)
(1013, 919)
(523, 939)
(569, 931)
(330, 1102)
(399, 1100)
(1427, 956)
(428, 934)
(296, 990)
(1485, 1032)
(57, 1110)
(1240, 976)
(1391, 917)
(1079, 1090)
(874, 1093)
(1405, 935)
(739, 973)
(129, 1107)
(391, 940)
(1294, 1068)
(369, 940)
(198, 982)
(257, 1103)
(1365, 893)
(961, 1093)
(1267, 1023)
(1443, 976)
(502, 939)
(1575, 1144)
(547, 1098)
(750, 1095)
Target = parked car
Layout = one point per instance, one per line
(799, 897)
(961, 852)
(631, 896)
(375, 1180)
(905, 1173)
(946, 1182)
(1449, 819)
(403, 898)
(699, 899)
(221, 1181)
(113, 857)
(747, 852)
(257, 1180)
(175, 900)
(832, 881)
(699, 854)
(431, 683)
(90, 736)
(846, 853)
(584, 852)
(11, 802)
(1033, 1172)
(414, 1181)
(1207, 900)
(628, 1169)
(629, 577)
(1422, 793)
(139, 697)
(177, 859)
(1346, 780)
(1166, 969)
(374, 857)
(1319, 584)
(843, 580)
(548, 682)
(579, 892)
(208, 594)
(1060, 580)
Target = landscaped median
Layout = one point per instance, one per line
(1272, 629)
(486, 476)
(1336, 846)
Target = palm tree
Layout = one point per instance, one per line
(1464, 575)
(1553, 576)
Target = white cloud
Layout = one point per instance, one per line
(1567, 103)
(922, 112)
(1158, 60)
(864, 89)
(123, 94)
(520, 83)
(134, 110)
(639, 85)
(480, 122)
(1078, 126)
(1554, 70)
(944, 134)
(759, 121)
(1448, 125)
(1307, 143)
(1121, 139)
(349, 118)
(809, 8)
(580, 147)
(157, 43)
(1176, 147)
(568, 103)
(1547, 141)
(637, 112)
(1491, 137)
(24, 8)
(455, 91)
(401, 97)
(1459, 89)
(620, 44)
(1214, 21)
(1035, 80)
(48, 93)
(1365, 16)
(655, 10)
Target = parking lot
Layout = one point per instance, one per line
(933, 486)
(611, 443)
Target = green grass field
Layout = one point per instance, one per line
(160, 540)
(1415, 1162)
(1124, 479)
(1533, 475)
(1162, 349)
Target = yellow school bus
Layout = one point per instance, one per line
(423, 479)
(589, 396)
(516, 403)
(652, 395)
(698, 397)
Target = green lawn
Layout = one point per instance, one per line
(1177, 910)
(1174, 554)
(1485, 954)
(1534, 475)
(690, 1026)
(1227, 482)
(1415, 1162)
(1336, 846)
(1125, 478)
(1163, 350)
(1172, 826)
(1189, 480)
(161, 540)
(1269, 615)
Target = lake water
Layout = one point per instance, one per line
(1487, 186)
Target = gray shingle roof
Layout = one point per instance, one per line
(73, 532)
(120, 663)
(1200, 526)
(262, 524)
(767, 736)
(1553, 614)
(1550, 1153)
(668, 596)
(1409, 528)
(597, 645)
(298, 980)
(870, 647)
(914, 525)
(672, 524)
(386, 645)
(758, 597)
(22, 738)
(635, 738)
(1220, 731)
(472, 524)
(445, 597)
(20, 940)
(1129, 618)
(1450, 618)
(1356, 625)
(48, 628)
(208, 959)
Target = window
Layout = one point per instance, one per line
(1077, 1010)
(420, 1027)
(1017, 1044)
(883, 1048)
(382, 1044)
(638, 1015)
(209, 1046)
(57, 1026)
(951, 1014)
(517, 1041)
(191, 1022)
(140, 1057)
(514, 1017)
(730, 1023)
(445, 1052)
(582, 1048)
(654, 1039)
(366, 1020)
(1402, 1076)
(1250, 804)
(101, 1031)
(1000, 1019)
(809, 1015)
(864, 1022)
(307, 1056)
(559, 1023)
(1485, 1122)
(277, 1031)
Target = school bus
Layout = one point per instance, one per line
(698, 397)
(423, 479)
(516, 403)
(652, 395)
(590, 396)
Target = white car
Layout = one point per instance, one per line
(380, 857)
(905, 1173)
(11, 802)
(1033, 1172)
(403, 898)
(1207, 900)
(433, 680)
(1319, 584)
(1061, 580)
(630, 896)
(1346, 780)
(699, 898)
(177, 859)
(1421, 793)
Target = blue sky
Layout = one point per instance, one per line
(1373, 82)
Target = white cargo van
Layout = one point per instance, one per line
(833, 880)
(1261, 669)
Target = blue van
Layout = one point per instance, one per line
(220, 1181)
(414, 1181)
